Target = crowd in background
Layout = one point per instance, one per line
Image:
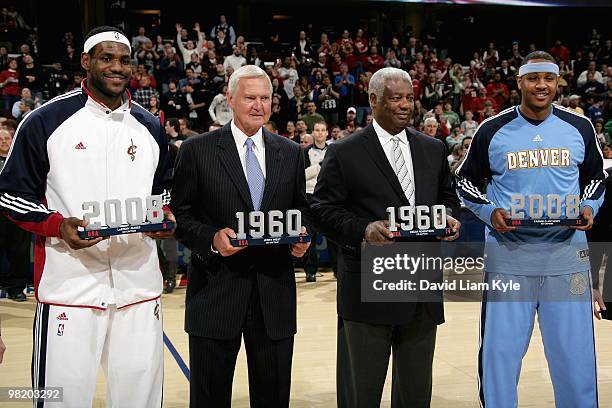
(181, 74)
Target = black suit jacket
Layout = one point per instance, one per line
(209, 188)
(355, 186)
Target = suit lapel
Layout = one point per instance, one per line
(228, 155)
(274, 164)
(376, 152)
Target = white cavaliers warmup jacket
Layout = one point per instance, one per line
(71, 150)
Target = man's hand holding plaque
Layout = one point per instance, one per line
(537, 210)
(271, 228)
(422, 221)
(158, 223)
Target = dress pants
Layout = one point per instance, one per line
(212, 363)
(363, 359)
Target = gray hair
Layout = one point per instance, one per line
(430, 119)
(246, 71)
(380, 77)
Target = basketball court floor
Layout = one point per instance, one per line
(313, 383)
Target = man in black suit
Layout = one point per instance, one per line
(384, 165)
(233, 292)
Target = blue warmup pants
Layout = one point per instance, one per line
(565, 317)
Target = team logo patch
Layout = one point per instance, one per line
(132, 150)
(80, 146)
(583, 254)
(62, 316)
(156, 310)
(578, 284)
(60, 329)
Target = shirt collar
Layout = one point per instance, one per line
(92, 101)
(240, 137)
(385, 136)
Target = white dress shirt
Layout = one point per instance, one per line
(385, 139)
(258, 148)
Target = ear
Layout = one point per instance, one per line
(518, 82)
(373, 100)
(85, 61)
(230, 99)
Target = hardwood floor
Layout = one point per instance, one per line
(313, 385)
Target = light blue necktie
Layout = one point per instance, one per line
(255, 176)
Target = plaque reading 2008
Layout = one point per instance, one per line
(545, 211)
(135, 219)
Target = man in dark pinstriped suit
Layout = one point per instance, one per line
(239, 293)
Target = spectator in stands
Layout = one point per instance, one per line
(9, 82)
(300, 128)
(328, 101)
(507, 72)
(279, 114)
(335, 134)
(71, 61)
(154, 107)
(254, 59)
(602, 136)
(350, 119)
(170, 67)
(137, 75)
(324, 45)
(478, 104)
(595, 110)
(374, 62)
(26, 95)
(174, 103)
(451, 116)
(456, 137)
(222, 44)
(430, 126)
(289, 130)
(172, 128)
(490, 56)
(469, 125)
(235, 60)
(25, 106)
(303, 47)
(223, 26)
(574, 104)
(560, 52)
(143, 95)
(360, 44)
(498, 91)
(311, 116)
(305, 140)
(392, 60)
(607, 152)
(515, 97)
(140, 39)
(219, 110)
(289, 76)
(190, 48)
(591, 86)
(592, 68)
(4, 58)
(195, 64)
(432, 92)
(184, 130)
